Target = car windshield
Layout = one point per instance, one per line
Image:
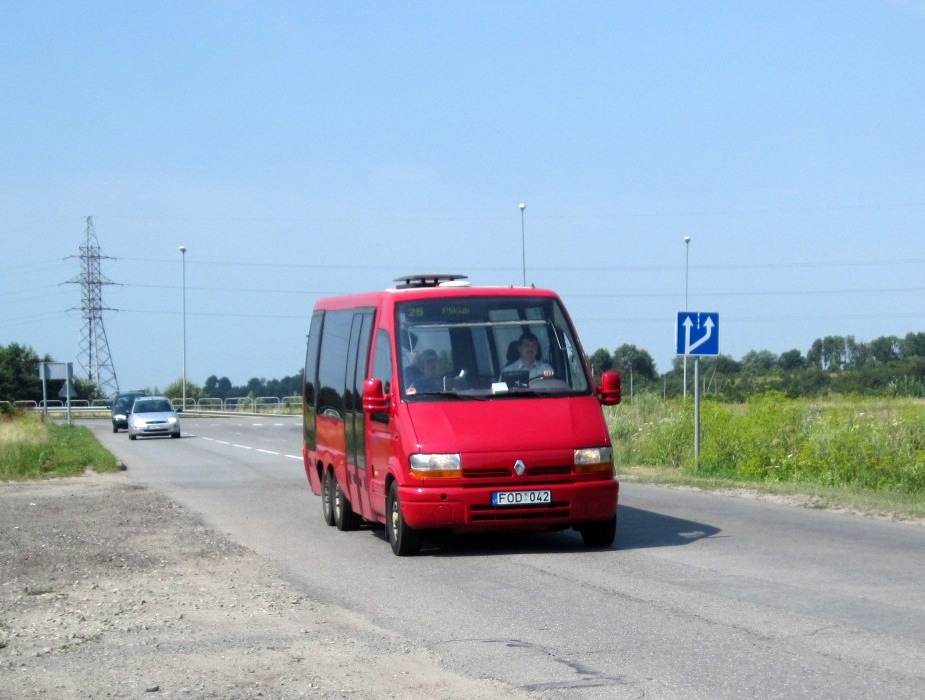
(125, 402)
(162, 406)
(484, 347)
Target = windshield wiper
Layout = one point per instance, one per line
(449, 394)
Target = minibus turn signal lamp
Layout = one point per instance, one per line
(436, 466)
(594, 460)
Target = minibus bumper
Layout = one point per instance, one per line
(471, 508)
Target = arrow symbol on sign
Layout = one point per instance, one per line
(688, 323)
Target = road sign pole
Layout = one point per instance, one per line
(696, 414)
(68, 382)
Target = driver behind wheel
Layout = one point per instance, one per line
(528, 351)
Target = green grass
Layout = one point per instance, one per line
(863, 454)
(33, 449)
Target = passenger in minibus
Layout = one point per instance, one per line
(528, 351)
(430, 379)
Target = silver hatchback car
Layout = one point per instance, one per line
(153, 415)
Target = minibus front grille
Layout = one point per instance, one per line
(544, 511)
(508, 472)
(550, 471)
(488, 473)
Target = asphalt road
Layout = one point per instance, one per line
(704, 596)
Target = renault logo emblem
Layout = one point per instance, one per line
(520, 467)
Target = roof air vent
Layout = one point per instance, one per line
(419, 281)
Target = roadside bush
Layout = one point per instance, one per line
(651, 431)
(755, 441)
(32, 449)
(843, 442)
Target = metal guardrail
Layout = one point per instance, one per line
(239, 404)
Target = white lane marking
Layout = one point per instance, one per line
(247, 447)
(218, 442)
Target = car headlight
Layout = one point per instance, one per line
(432, 466)
(594, 460)
(119, 416)
(172, 419)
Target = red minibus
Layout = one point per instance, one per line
(441, 405)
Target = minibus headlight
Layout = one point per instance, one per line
(594, 460)
(432, 466)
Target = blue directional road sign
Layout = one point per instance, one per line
(698, 333)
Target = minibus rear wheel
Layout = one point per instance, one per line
(344, 517)
(327, 497)
(405, 540)
(599, 534)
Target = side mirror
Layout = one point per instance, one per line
(609, 390)
(374, 398)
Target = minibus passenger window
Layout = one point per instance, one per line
(382, 359)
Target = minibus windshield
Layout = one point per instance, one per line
(480, 347)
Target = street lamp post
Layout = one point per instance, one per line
(687, 256)
(523, 243)
(183, 258)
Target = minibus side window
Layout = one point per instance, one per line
(332, 368)
(310, 380)
(382, 360)
(576, 371)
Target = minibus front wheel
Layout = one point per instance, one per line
(405, 540)
(599, 534)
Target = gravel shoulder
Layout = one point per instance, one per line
(112, 590)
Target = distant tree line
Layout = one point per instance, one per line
(280, 388)
(19, 377)
(19, 381)
(886, 366)
(215, 388)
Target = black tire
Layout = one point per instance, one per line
(327, 497)
(344, 517)
(599, 534)
(115, 428)
(175, 435)
(132, 437)
(404, 539)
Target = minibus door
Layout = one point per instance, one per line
(355, 429)
(379, 424)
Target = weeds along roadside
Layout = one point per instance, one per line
(31, 448)
(863, 453)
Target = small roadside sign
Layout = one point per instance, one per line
(67, 391)
(698, 333)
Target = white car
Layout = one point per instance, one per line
(153, 415)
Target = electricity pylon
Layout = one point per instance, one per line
(94, 362)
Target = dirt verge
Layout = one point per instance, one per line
(110, 590)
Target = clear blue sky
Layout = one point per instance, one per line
(300, 149)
